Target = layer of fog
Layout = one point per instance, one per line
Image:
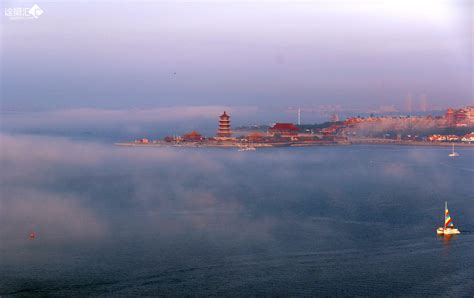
(76, 189)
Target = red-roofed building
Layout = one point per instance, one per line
(283, 129)
(193, 136)
(468, 138)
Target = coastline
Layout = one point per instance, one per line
(374, 141)
(231, 145)
(365, 141)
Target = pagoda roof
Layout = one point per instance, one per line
(193, 134)
(224, 114)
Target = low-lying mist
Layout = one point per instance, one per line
(80, 189)
(99, 209)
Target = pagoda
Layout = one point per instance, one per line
(224, 126)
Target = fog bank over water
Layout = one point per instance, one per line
(223, 214)
(114, 125)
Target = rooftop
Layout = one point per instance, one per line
(284, 126)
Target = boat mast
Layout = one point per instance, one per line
(445, 208)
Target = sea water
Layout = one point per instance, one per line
(329, 220)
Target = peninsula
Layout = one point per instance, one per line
(455, 126)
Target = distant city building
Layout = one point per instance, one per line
(471, 113)
(460, 117)
(334, 118)
(409, 103)
(449, 116)
(224, 126)
(423, 103)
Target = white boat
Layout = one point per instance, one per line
(453, 153)
(247, 148)
(448, 228)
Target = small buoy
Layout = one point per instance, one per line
(32, 235)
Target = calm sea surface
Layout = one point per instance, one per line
(347, 220)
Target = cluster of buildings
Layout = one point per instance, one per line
(463, 117)
(468, 138)
(279, 134)
(386, 127)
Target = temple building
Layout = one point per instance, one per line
(193, 136)
(283, 129)
(224, 126)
